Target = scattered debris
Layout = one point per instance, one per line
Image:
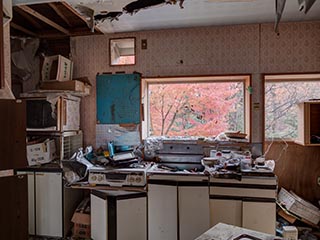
(296, 206)
(135, 6)
(175, 1)
(305, 5)
(110, 16)
(88, 14)
(280, 4)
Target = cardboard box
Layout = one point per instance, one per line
(41, 153)
(82, 225)
(290, 233)
(57, 68)
(82, 220)
(87, 89)
(298, 206)
(87, 85)
(72, 85)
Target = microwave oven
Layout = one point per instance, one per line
(58, 113)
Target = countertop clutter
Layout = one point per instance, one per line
(224, 180)
(134, 166)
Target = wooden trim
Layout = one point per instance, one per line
(43, 18)
(1, 47)
(284, 77)
(22, 29)
(60, 14)
(246, 79)
(134, 54)
(248, 108)
(263, 134)
(205, 78)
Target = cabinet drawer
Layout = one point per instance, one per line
(242, 192)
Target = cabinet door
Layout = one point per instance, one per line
(162, 212)
(13, 208)
(227, 211)
(193, 211)
(13, 134)
(99, 218)
(132, 211)
(49, 204)
(259, 216)
(31, 206)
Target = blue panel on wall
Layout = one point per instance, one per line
(118, 98)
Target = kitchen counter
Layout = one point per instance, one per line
(48, 167)
(223, 231)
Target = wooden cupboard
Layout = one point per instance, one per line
(308, 123)
(13, 134)
(14, 207)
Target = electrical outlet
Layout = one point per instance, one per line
(318, 181)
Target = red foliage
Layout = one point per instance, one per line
(191, 109)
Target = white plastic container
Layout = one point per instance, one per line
(290, 233)
(246, 163)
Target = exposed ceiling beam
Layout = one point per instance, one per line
(78, 15)
(28, 17)
(43, 18)
(60, 14)
(22, 29)
(83, 31)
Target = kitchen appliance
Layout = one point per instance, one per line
(179, 157)
(52, 112)
(133, 176)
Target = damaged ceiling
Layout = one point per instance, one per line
(114, 16)
(49, 20)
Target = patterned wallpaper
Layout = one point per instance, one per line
(297, 49)
(252, 49)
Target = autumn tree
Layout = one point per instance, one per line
(196, 109)
(281, 99)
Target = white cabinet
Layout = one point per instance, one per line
(193, 211)
(31, 217)
(99, 219)
(226, 211)
(48, 204)
(162, 211)
(178, 207)
(118, 215)
(259, 216)
(249, 203)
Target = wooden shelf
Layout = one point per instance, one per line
(308, 122)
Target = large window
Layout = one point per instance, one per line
(202, 107)
(282, 93)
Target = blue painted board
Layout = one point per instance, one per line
(118, 98)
